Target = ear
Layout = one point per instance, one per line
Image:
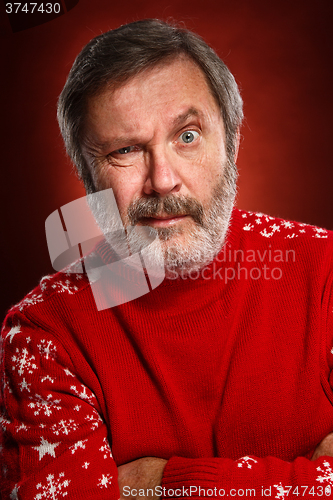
(238, 138)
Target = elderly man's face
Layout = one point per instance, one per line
(158, 141)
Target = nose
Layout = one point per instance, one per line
(162, 177)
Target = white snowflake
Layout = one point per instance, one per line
(47, 349)
(88, 396)
(281, 492)
(95, 420)
(266, 234)
(22, 427)
(275, 228)
(248, 227)
(47, 377)
(246, 462)
(106, 449)
(317, 235)
(54, 488)
(24, 385)
(76, 446)
(45, 448)
(44, 283)
(66, 286)
(64, 427)
(23, 362)
(292, 235)
(13, 331)
(85, 465)
(68, 372)
(258, 221)
(287, 224)
(77, 408)
(45, 405)
(328, 473)
(30, 300)
(105, 480)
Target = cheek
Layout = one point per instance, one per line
(125, 188)
(207, 173)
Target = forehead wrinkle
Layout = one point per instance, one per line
(180, 119)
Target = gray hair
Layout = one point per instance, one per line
(117, 55)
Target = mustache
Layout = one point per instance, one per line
(170, 205)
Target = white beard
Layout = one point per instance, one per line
(160, 247)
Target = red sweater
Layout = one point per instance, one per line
(226, 374)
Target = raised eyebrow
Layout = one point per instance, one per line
(180, 119)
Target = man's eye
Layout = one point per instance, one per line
(124, 151)
(189, 136)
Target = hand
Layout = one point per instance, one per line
(138, 475)
(325, 448)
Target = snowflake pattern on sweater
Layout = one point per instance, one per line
(54, 488)
(58, 283)
(53, 416)
(268, 227)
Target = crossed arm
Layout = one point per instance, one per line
(143, 473)
(146, 473)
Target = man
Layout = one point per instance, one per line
(217, 382)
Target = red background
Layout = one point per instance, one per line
(281, 55)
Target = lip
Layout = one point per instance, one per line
(163, 220)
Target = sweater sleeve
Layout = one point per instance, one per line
(55, 442)
(248, 477)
